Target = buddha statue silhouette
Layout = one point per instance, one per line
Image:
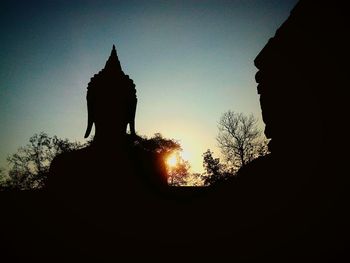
(112, 161)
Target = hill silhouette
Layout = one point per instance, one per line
(288, 205)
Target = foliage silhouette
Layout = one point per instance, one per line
(164, 148)
(159, 144)
(179, 174)
(29, 167)
(215, 171)
(4, 180)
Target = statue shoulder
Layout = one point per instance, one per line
(65, 166)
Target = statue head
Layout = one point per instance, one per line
(111, 101)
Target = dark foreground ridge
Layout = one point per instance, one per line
(290, 205)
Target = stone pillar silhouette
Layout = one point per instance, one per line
(111, 100)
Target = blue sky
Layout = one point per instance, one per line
(190, 60)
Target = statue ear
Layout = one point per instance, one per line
(90, 118)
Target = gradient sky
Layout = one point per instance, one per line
(190, 60)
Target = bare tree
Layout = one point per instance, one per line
(239, 139)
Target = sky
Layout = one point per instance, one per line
(190, 60)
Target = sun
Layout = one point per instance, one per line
(176, 158)
(172, 160)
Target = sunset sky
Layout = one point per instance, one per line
(190, 60)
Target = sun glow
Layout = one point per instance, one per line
(172, 160)
(177, 157)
